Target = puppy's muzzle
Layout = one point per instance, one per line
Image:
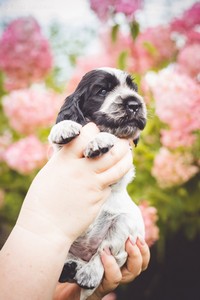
(135, 111)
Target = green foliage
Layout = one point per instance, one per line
(134, 29)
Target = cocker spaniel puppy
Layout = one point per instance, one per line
(108, 97)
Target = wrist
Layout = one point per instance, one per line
(43, 227)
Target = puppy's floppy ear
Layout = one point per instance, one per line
(71, 110)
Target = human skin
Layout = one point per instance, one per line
(58, 207)
(138, 259)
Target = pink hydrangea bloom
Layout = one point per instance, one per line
(26, 155)
(25, 54)
(173, 138)
(193, 37)
(30, 109)
(150, 217)
(188, 60)
(106, 8)
(177, 99)
(188, 20)
(128, 7)
(171, 169)
(151, 48)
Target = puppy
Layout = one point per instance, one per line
(108, 97)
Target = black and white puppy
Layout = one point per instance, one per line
(108, 97)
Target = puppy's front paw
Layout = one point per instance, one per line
(100, 145)
(64, 131)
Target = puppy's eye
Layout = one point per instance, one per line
(102, 92)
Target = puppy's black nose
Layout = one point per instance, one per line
(133, 104)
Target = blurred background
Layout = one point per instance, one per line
(45, 49)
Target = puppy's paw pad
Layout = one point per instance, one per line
(64, 131)
(100, 145)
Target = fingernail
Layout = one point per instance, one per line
(141, 240)
(107, 250)
(133, 241)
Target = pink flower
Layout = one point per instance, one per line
(174, 138)
(107, 8)
(171, 169)
(188, 20)
(127, 7)
(30, 109)
(177, 99)
(152, 48)
(193, 37)
(150, 217)
(25, 55)
(26, 155)
(188, 60)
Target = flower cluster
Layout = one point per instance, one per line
(176, 95)
(188, 21)
(171, 169)
(150, 217)
(151, 48)
(30, 109)
(25, 54)
(188, 60)
(26, 155)
(108, 8)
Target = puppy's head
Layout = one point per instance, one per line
(108, 97)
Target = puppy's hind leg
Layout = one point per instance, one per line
(89, 276)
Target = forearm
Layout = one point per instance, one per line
(31, 264)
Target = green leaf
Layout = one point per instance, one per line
(122, 59)
(134, 29)
(114, 32)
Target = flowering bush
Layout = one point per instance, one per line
(25, 54)
(171, 169)
(26, 155)
(30, 109)
(174, 94)
(108, 8)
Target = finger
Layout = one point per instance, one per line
(66, 291)
(116, 172)
(145, 252)
(133, 266)
(112, 275)
(78, 144)
(108, 160)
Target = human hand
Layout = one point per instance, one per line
(138, 259)
(67, 193)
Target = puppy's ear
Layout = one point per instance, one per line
(71, 110)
